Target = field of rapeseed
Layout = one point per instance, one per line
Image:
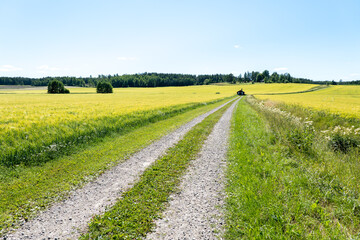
(51, 144)
(343, 100)
(35, 126)
(54, 143)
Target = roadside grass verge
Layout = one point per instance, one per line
(25, 190)
(284, 182)
(134, 214)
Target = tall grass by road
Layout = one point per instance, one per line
(286, 182)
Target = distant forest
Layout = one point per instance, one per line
(167, 79)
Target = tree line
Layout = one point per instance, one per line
(166, 79)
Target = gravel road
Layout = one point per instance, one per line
(69, 218)
(194, 212)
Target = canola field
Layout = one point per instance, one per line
(22, 109)
(342, 100)
(35, 126)
(50, 144)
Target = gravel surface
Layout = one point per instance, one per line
(69, 218)
(194, 212)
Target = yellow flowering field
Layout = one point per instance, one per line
(24, 108)
(34, 124)
(275, 88)
(343, 100)
(21, 109)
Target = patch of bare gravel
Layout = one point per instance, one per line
(194, 212)
(69, 218)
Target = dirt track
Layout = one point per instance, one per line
(68, 219)
(194, 211)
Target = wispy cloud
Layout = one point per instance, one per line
(279, 69)
(9, 68)
(354, 74)
(47, 68)
(236, 46)
(126, 58)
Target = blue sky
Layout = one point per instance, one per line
(314, 39)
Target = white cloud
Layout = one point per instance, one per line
(126, 58)
(9, 68)
(47, 68)
(236, 46)
(279, 69)
(354, 74)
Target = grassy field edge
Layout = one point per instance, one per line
(285, 182)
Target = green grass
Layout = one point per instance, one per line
(24, 190)
(134, 214)
(284, 182)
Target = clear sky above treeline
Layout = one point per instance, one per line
(316, 39)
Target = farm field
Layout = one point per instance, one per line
(343, 100)
(38, 122)
(26, 189)
(46, 140)
(25, 109)
(201, 120)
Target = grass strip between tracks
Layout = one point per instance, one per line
(26, 190)
(132, 217)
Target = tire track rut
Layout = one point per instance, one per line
(69, 218)
(194, 212)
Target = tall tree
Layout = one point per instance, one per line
(266, 74)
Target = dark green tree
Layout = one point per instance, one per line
(207, 81)
(56, 86)
(104, 87)
(266, 74)
(240, 79)
(274, 77)
(254, 76)
(259, 77)
(229, 78)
